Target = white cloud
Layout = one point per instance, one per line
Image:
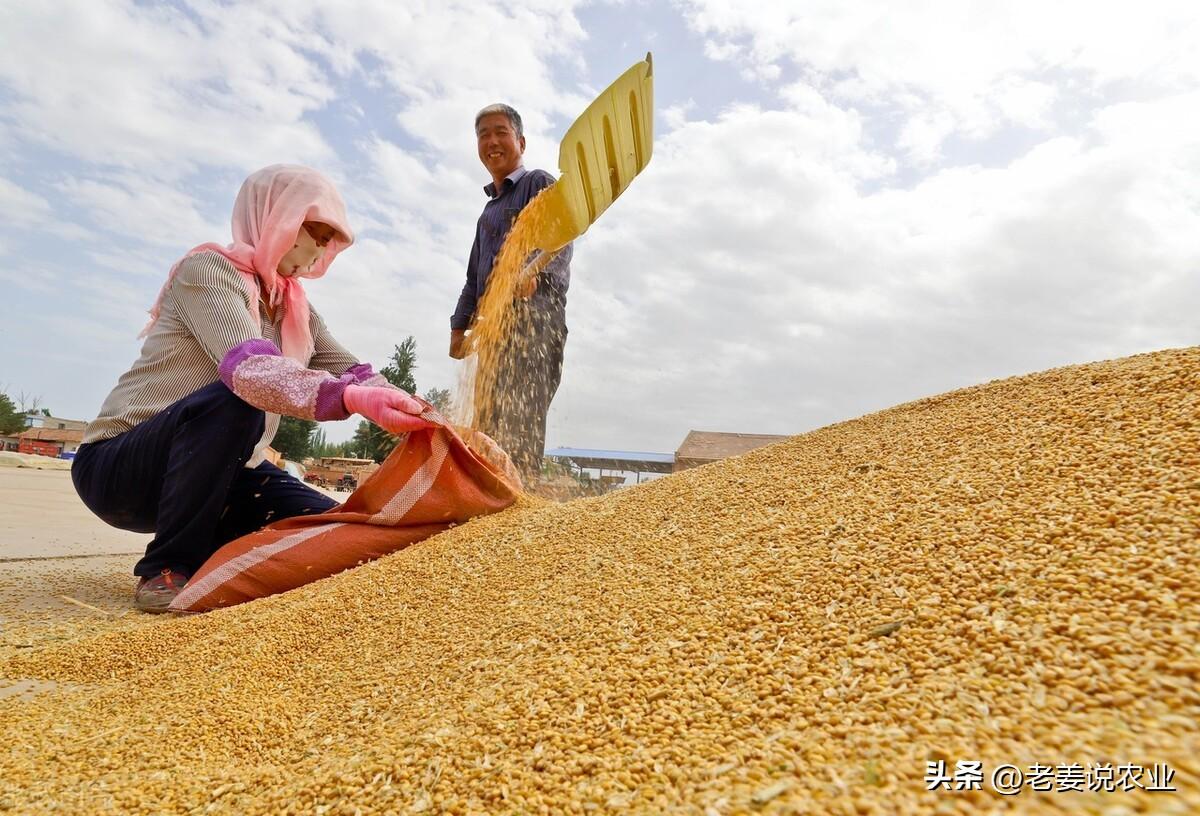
(443, 63)
(156, 89)
(675, 116)
(28, 211)
(967, 68)
(922, 135)
(20, 207)
(777, 295)
(1026, 101)
(822, 250)
(159, 112)
(35, 278)
(137, 207)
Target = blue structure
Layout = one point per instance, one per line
(637, 462)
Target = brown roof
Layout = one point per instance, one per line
(709, 446)
(52, 435)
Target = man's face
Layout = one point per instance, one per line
(499, 148)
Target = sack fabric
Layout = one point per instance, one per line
(433, 480)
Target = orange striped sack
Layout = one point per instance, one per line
(432, 481)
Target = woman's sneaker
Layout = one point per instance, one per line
(155, 594)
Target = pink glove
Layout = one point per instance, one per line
(390, 409)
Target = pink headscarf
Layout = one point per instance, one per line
(270, 208)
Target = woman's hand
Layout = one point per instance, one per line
(389, 408)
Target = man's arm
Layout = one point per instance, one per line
(554, 271)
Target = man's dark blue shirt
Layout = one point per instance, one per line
(519, 188)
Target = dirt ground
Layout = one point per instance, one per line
(63, 572)
(43, 518)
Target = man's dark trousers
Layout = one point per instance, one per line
(527, 378)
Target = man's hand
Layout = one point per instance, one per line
(458, 343)
(527, 284)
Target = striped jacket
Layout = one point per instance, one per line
(204, 333)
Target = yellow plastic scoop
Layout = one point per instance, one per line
(600, 154)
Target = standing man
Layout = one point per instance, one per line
(531, 365)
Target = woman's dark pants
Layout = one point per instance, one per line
(181, 476)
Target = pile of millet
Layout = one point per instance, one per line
(1007, 574)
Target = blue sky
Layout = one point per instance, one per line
(848, 207)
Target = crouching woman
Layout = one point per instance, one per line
(232, 344)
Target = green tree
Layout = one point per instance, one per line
(439, 398)
(11, 420)
(294, 437)
(341, 449)
(372, 442)
(317, 442)
(323, 447)
(400, 368)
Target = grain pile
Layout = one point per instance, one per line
(1007, 573)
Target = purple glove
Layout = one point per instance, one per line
(390, 409)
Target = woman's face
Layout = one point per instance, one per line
(311, 240)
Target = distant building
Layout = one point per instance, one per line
(54, 423)
(699, 448)
(335, 466)
(344, 462)
(703, 447)
(620, 462)
(52, 442)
